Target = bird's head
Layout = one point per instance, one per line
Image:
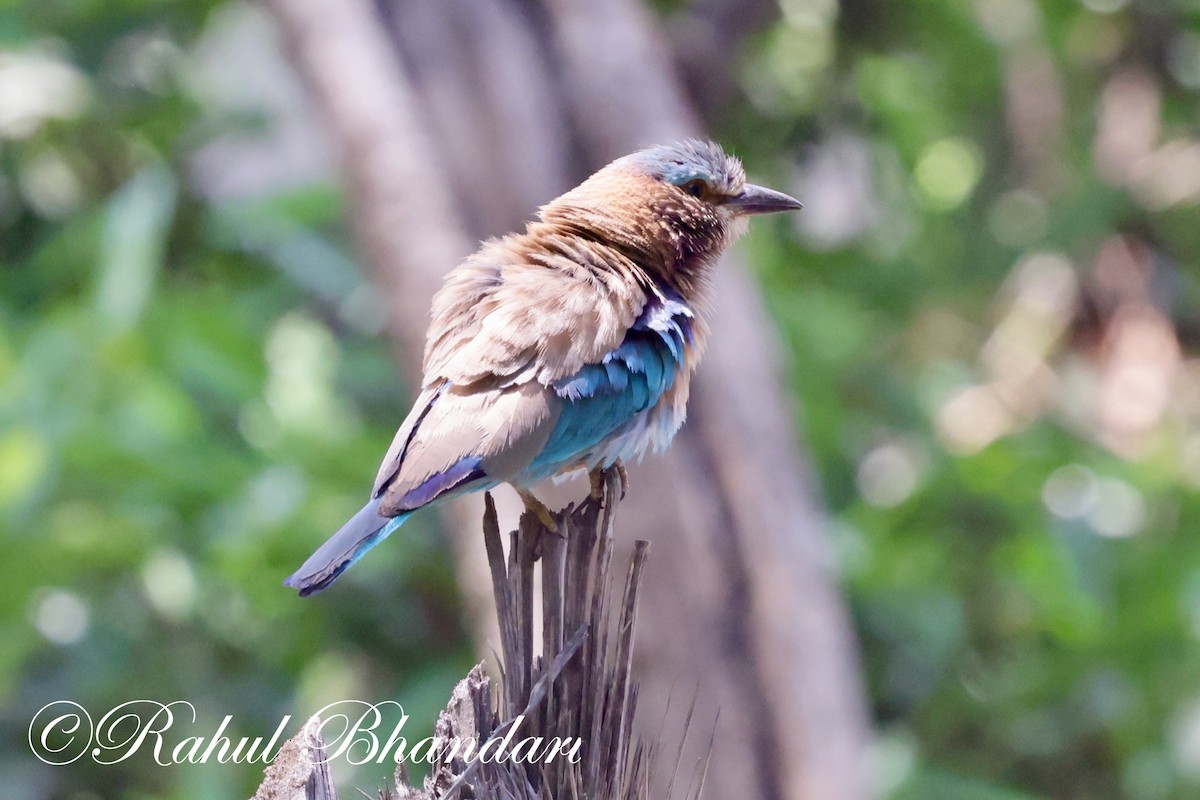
(674, 207)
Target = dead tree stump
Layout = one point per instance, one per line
(575, 685)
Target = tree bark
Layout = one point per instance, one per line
(404, 213)
(740, 603)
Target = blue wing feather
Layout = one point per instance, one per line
(617, 373)
(595, 403)
(365, 529)
(433, 487)
(368, 527)
(601, 398)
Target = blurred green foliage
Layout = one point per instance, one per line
(184, 414)
(1026, 597)
(188, 392)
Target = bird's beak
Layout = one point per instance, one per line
(761, 200)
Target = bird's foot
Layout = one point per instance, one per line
(596, 479)
(619, 466)
(600, 476)
(540, 510)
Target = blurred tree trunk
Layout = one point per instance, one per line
(455, 119)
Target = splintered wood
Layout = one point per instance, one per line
(559, 724)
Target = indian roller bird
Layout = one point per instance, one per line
(571, 345)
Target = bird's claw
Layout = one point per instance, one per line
(601, 476)
(547, 519)
(619, 466)
(540, 510)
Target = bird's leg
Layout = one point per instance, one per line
(619, 466)
(596, 479)
(539, 509)
(600, 475)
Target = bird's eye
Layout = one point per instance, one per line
(694, 188)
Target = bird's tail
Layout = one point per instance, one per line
(365, 529)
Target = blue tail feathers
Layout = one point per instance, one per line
(365, 529)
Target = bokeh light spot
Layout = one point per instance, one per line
(24, 458)
(1119, 510)
(1071, 491)
(947, 172)
(61, 616)
(170, 583)
(889, 474)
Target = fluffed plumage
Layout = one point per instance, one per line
(569, 345)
